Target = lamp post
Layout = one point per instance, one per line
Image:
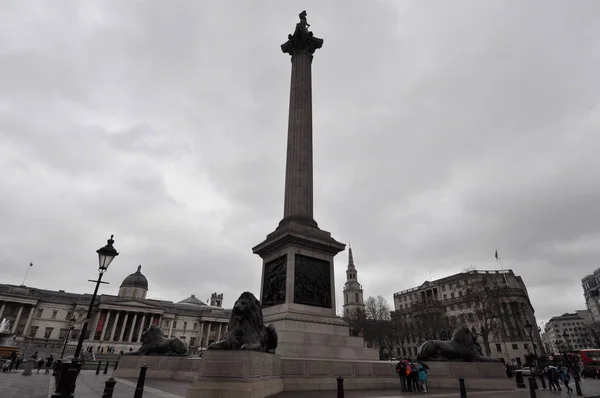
(66, 384)
(71, 327)
(565, 336)
(529, 328)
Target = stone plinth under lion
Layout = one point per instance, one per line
(461, 356)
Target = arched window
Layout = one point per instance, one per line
(346, 297)
(356, 297)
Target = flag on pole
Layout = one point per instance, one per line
(30, 264)
(496, 255)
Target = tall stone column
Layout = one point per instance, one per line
(201, 334)
(17, 319)
(95, 325)
(298, 198)
(2, 310)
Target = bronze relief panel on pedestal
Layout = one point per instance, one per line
(312, 282)
(274, 282)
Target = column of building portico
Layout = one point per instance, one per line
(2, 310)
(219, 333)
(207, 334)
(200, 334)
(171, 327)
(124, 326)
(139, 338)
(105, 326)
(133, 324)
(111, 337)
(28, 323)
(17, 319)
(95, 323)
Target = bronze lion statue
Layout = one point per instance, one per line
(153, 343)
(462, 346)
(246, 328)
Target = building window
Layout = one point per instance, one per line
(192, 341)
(195, 326)
(54, 313)
(167, 324)
(48, 333)
(452, 295)
(498, 347)
(39, 313)
(346, 297)
(526, 346)
(445, 296)
(174, 324)
(356, 297)
(62, 333)
(68, 317)
(515, 346)
(33, 330)
(184, 325)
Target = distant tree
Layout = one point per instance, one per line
(486, 298)
(374, 324)
(377, 308)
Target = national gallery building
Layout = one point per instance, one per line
(45, 316)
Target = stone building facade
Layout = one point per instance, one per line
(433, 309)
(591, 293)
(569, 333)
(44, 316)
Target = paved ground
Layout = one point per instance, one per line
(15, 385)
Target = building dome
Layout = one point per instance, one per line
(137, 279)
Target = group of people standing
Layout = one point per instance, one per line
(16, 360)
(557, 374)
(413, 375)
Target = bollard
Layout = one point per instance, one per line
(109, 387)
(28, 367)
(532, 385)
(106, 368)
(463, 388)
(340, 387)
(139, 389)
(116, 364)
(98, 368)
(578, 386)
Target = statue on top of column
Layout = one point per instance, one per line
(303, 23)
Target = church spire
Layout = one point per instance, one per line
(350, 259)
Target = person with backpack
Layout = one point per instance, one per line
(564, 375)
(422, 373)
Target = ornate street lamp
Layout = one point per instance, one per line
(529, 327)
(65, 386)
(71, 327)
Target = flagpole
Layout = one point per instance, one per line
(28, 268)
(501, 267)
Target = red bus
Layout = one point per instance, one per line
(590, 357)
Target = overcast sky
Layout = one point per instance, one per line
(442, 131)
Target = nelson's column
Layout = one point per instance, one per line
(298, 285)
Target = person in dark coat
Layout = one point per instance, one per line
(401, 371)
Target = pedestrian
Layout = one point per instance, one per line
(6, 366)
(564, 375)
(49, 362)
(423, 378)
(401, 369)
(13, 358)
(19, 360)
(40, 364)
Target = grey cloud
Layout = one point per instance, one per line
(442, 132)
